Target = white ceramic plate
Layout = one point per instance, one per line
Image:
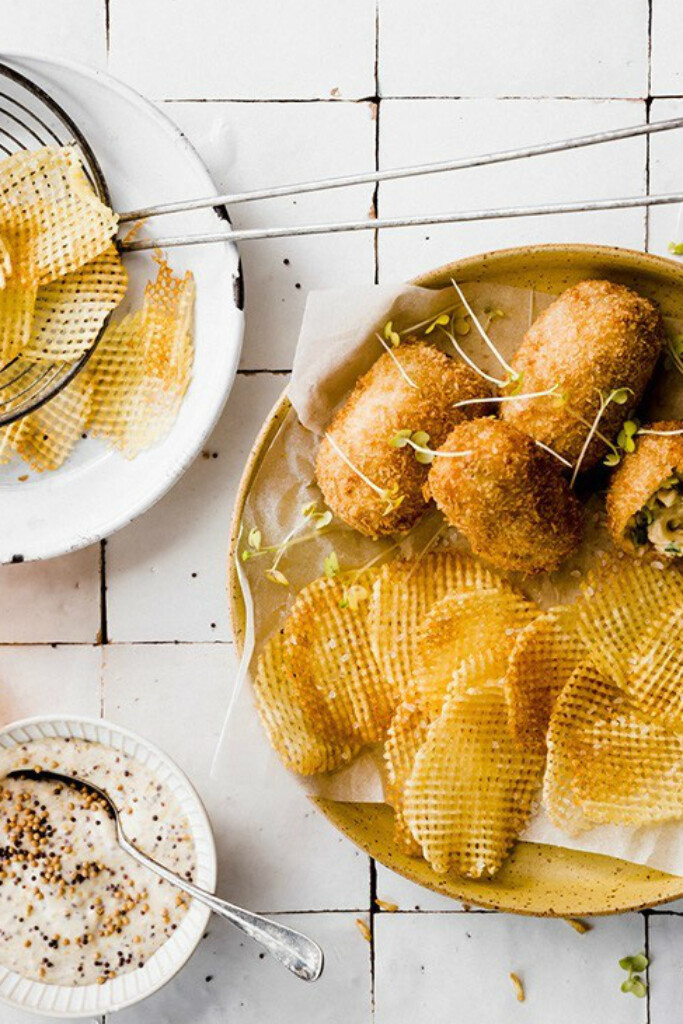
(145, 159)
(92, 1000)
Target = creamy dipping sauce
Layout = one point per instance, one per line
(74, 908)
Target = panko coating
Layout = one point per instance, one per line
(381, 404)
(508, 497)
(595, 337)
(645, 497)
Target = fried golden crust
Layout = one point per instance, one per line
(639, 476)
(381, 404)
(597, 336)
(509, 497)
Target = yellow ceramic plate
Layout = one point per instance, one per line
(536, 879)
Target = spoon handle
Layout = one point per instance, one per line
(299, 954)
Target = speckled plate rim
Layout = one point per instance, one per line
(93, 1000)
(537, 879)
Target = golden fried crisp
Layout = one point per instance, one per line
(545, 654)
(402, 595)
(596, 337)
(407, 733)
(383, 403)
(645, 497)
(478, 627)
(508, 497)
(472, 788)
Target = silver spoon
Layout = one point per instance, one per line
(298, 953)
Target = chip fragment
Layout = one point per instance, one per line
(332, 662)
(472, 789)
(306, 739)
(402, 595)
(545, 654)
(407, 733)
(618, 606)
(69, 311)
(607, 763)
(45, 438)
(50, 218)
(477, 626)
(17, 303)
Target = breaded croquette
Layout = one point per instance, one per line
(508, 497)
(645, 498)
(595, 338)
(358, 442)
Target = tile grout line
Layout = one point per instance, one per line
(103, 637)
(648, 109)
(646, 918)
(107, 26)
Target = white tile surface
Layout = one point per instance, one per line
(455, 967)
(667, 27)
(152, 593)
(73, 29)
(393, 888)
(41, 602)
(263, 49)
(442, 128)
(250, 146)
(275, 852)
(496, 48)
(666, 970)
(49, 680)
(243, 987)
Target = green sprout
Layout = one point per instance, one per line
(619, 396)
(675, 248)
(390, 495)
(635, 983)
(674, 352)
(418, 440)
(390, 335)
(390, 352)
(442, 320)
(331, 565)
(482, 331)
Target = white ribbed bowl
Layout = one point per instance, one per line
(92, 1000)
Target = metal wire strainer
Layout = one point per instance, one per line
(29, 118)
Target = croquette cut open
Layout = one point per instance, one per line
(508, 497)
(645, 498)
(374, 487)
(595, 338)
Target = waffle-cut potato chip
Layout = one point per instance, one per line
(588, 699)
(614, 764)
(544, 656)
(618, 606)
(407, 733)
(5, 262)
(69, 311)
(478, 624)
(136, 395)
(50, 217)
(329, 653)
(17, 302)
(404, 592)
(472, 789)
(45, 438)
(306, 739)
(654, 682)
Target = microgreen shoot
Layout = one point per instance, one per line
(418, 440)
(461, 325)
(319, 519)
(551, 451)
(331, 565)
(390, 352)
(439, 321)
(388, 494)
(554, 390)
(470, 362)
(254, 539)
(619, 396)
(482, 333)
(635, 984)
(675, 248)
(353, 592)
(390, 335)
(660, 433)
